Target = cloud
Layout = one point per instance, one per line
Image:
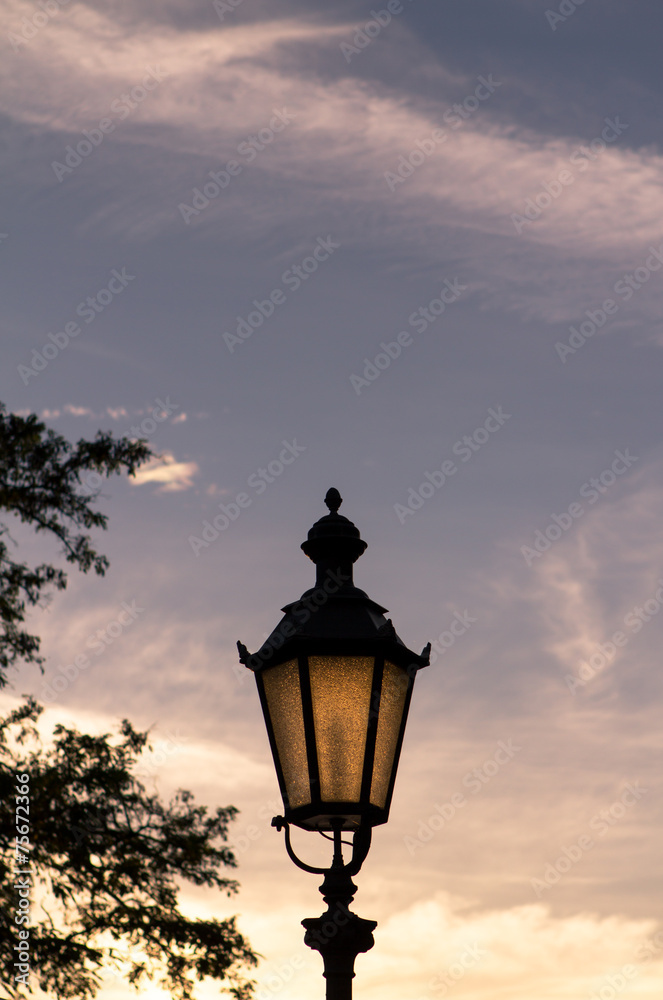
(78, 411)
(345, 127)
(439, 947)
(517, 953)
(114, 412)
(175, 476)
(347, 134)
(589, 580)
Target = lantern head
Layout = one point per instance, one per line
(335, 683)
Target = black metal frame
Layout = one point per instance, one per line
(347, 623)
(338, 934)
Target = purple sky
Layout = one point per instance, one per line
(416, 258)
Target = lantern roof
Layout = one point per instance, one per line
(335, 616)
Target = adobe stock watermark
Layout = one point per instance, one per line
(243, 838)
(88, 310)
(248, 148)
(471, 956)
(465, 448)
(154, 757)
(592, 491)
(636, 618)
(320, 933)
(626, 287)
(580, 158)
(565, 10)
(119, 109)
(157, 415)
(365, 34)
(258, 481)
(474, 781)
(223, 7)
(614, 983)
(601, 823)
(420, 319)
(98, 642)
(650, 949)
(92, 482)
(459, 625)
(30, 26)
(23, 874)
(292, 278)
(302, 610)
(454, 117)
(275, 978)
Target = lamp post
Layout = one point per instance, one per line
(335, 683)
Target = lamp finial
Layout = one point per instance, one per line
(333, 500)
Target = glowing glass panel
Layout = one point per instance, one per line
(284, 700)
(341, 695)
(392, 702)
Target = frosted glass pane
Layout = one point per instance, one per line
(284, 700)
(392, 703)
(341, 695)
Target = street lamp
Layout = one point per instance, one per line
(335, 683)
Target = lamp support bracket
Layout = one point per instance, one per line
(361, 843)
(339, 935)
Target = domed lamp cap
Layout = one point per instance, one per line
(334, 540)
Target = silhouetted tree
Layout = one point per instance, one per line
(96, 855)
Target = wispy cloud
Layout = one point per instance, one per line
(166, 470)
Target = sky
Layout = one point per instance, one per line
(412, 252)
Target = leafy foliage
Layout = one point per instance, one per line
(42, 482)
(105, 856)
